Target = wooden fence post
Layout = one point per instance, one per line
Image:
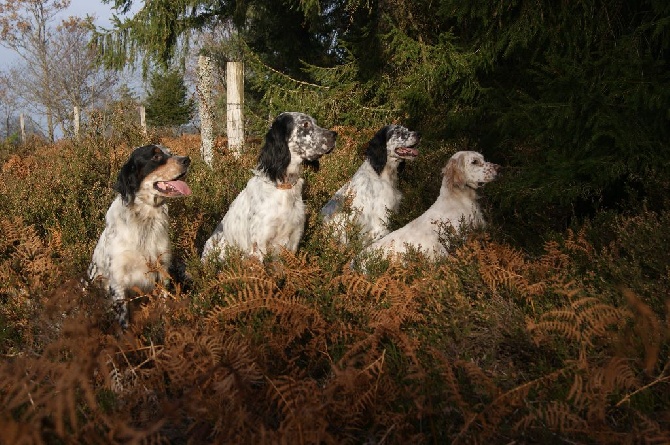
(143, 119)
(22, 124)
(234, 106)
(204, 90)
(76, 122)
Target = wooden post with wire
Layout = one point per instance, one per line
(235, 106)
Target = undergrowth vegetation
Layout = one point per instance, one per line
(568, 343)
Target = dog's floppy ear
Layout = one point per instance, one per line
(454, 172)
(275, 155)
(376, 149)
(127, 182)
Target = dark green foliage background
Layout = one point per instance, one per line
(571, 97)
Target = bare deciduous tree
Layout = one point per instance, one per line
(24, 28)
(78, 77)
(59, 68)
(9, 108)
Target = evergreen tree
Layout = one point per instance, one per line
(283, 33)
(167, 103)
(574, 99)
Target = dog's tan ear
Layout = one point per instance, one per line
(453, 173)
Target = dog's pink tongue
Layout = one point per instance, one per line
(181, 187)
(408, 151)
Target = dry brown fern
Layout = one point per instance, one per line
(453, 387)
(300, 408)
(583, 320)
(650, 428)
(212, 375)
(256, 297)
(28, 263)
(578, 243)
(554, 259)
(598, 377)
(650, 332)
(587, 412)
(502, 266)
(54, 397)
(253, 294)
(602, 383)
(648, 327)
(553, 416)
(297, 272)
(185, 241)
(28, 270)
(388, 286)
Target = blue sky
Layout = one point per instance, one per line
(80, 8)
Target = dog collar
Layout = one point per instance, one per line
(289, 182)
(287, 185)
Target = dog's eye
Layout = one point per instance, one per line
(305, 125)
(157, 157)
(476, 161)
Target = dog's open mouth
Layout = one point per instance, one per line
(176, 187)
(407, 152)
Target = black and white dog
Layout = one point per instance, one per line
(373, 190)
(269, 213)
(135, 245)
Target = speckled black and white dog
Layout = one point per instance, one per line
(373, 190)
(269, 213)
(135, 244)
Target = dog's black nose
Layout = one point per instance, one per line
(185, 160)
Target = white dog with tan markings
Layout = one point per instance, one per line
(456, 205)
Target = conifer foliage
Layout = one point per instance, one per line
(168, 103)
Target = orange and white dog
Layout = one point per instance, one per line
(456, 205)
